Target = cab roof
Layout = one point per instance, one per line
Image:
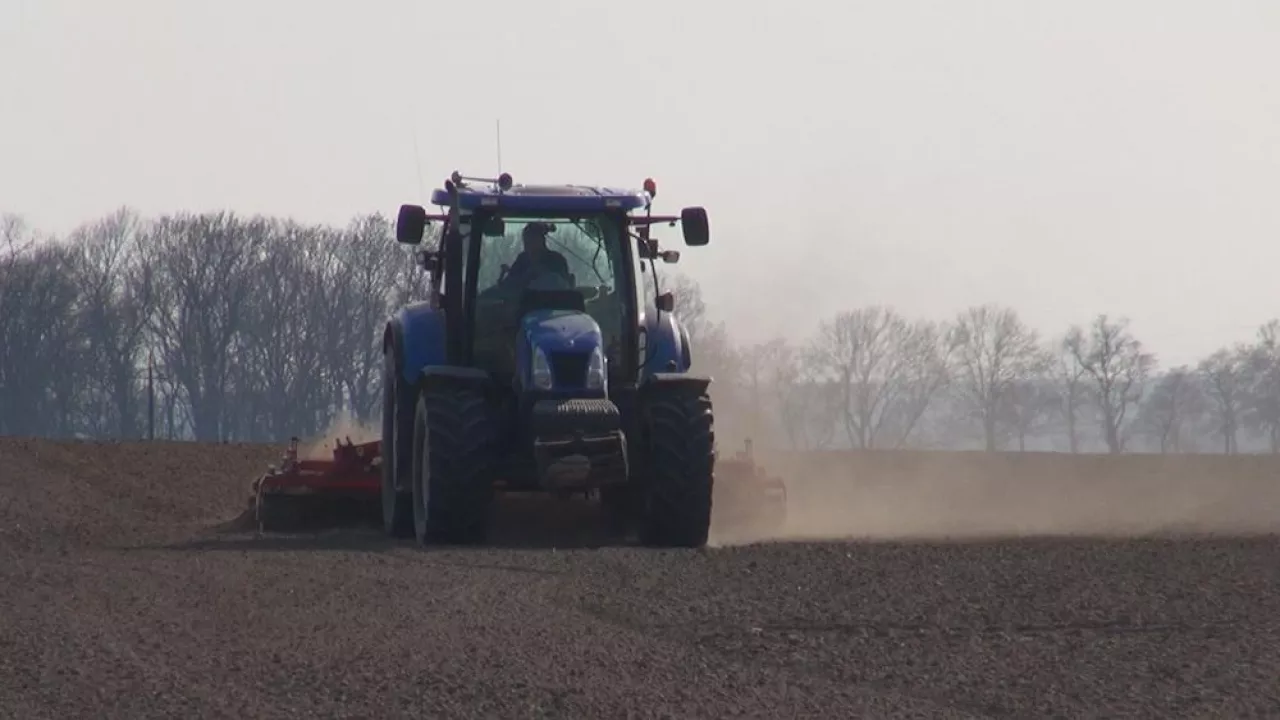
(544, 198)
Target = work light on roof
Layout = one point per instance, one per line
(651, 187)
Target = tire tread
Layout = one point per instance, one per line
(681, 429)
(460, 453)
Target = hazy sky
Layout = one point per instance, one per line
(1064, 158)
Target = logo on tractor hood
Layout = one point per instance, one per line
(563, 331)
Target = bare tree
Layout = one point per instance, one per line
(279, 383)
(931, 353)
(759, 362)
(1262, 382)
(1025, 405)
(887, 371)
(42, 352)
(1070, 377)
(115, 285)
(15, 236)
(1176, 400)
(994, 351)
(1225, 383)
(1117, 365)
(808, 409)
(203, 286)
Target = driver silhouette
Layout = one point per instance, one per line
(536, 258)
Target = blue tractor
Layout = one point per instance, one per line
(543, 361)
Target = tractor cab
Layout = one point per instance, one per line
(533, 276)
(545, 277)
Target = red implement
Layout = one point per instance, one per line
(749, 502)
(301, 491)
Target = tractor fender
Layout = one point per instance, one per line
(416, 334)
(667, 347)
(678, 383)
(455, 376)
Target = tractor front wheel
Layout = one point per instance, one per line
(677, 503)
(397, 424)
(452, 467)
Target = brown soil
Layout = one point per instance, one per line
(126, 595)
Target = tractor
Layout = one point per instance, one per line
(541, 362)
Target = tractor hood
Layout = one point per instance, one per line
(561, 331)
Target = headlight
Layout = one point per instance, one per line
(541, 370)
(597, 371)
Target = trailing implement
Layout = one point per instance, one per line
(300, 494)
(752, 503)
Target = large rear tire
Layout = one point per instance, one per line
(397, 449)
(453, 463)
(681, 471)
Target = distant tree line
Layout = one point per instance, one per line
(217, 326)
(872, 378)
(244, 328)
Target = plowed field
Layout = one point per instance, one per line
(127, 593)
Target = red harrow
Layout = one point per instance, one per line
(300, 494)
(749, 503)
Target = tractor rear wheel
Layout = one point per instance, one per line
(453, 459)
(397, 449)
(677, 503)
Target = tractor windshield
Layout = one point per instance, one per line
(583, 253)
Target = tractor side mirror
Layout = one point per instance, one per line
(693, 221)
(411, 223)
(667, 302)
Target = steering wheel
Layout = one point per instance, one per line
(595, 293)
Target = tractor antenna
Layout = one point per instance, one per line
(498, 137)
(417, 158)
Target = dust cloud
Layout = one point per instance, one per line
(970, 495)
(941, 495)
(343, 426)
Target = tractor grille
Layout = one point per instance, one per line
(569, 369)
